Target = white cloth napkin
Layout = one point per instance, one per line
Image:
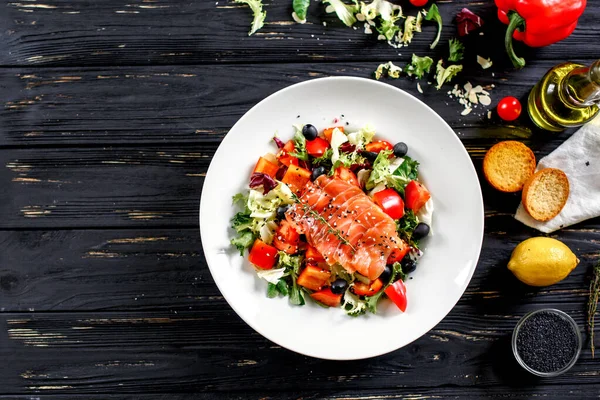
(579, 158)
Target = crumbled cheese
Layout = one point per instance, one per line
(470, 96)
(368, 29)
(484, 62)
(489, 114)
(419, 88)
(324, 23)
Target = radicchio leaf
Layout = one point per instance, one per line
(278, 142)
(347, 147)
(259, 179)
(467, 22)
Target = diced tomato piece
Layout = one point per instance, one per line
(328, 133)
(312, 254)
(317, 147)
(289, 147)
(346, 174)
(296, 177)
(416, 195)
(363, 289)
(287, 160)
(262, 255)
(390, 202)
(397, 293)
(313, 278)
(266, 167)
(379, 145)
(327, 297)
(398, 254)
(286, 238)
(376, 286)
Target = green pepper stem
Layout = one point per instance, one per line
(515, 21)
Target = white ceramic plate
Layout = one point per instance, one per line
(451, 253)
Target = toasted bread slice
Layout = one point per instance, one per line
(508, 165)
(546, 193)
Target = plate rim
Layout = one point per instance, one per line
(349, 79)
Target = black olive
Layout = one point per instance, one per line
(339, 286)
(369, 155)
(317, 172)
(421, 230)
(281, 211)
(400, 149)
(408, 265)
(310, 132)
(386, 274)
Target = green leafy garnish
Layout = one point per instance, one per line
(345, 12)
(242, 223)
(388, 28)
(456, 50)
(299, 145)
(443, 75)
(406, 226)
(296, 295)
(300, 8)
(419, 66)
(434, 15)
(353, 305)
(411, 25)
(406, 172)
(272, 290)
(257, 11)
(389, 69)
(381, 169)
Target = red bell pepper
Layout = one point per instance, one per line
(537, 23)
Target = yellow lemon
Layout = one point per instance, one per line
(542, 261)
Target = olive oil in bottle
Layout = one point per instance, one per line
(567, 96)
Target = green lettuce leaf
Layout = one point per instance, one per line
(345, 12)
(434, 15)
(419, 66)
(443, 75)
(300, 8)
(257, 11)
(299, 144)
(389, 69)
(456, 50)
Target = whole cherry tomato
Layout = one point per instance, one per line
(509, 108)
(418, 3)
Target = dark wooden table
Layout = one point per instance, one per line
(111, 113)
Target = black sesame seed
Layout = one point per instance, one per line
(546, 342)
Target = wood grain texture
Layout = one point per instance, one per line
(198, 104)
(110, 113)
(210, 349)
(112, 32)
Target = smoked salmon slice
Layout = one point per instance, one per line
(345, 226)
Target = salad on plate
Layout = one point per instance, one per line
(336, 216)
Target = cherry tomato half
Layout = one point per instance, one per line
(346, 174)
(317, 147)
(509, 108)
(379, 145)
(397, 293)
(416, 195)
(418, 3)
(286, 238)
(390, 202)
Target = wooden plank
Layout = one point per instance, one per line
(62, 32)
(545, 390)
(165, 270)
(61, 353)
(85, 106)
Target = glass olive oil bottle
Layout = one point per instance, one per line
(567, 96)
